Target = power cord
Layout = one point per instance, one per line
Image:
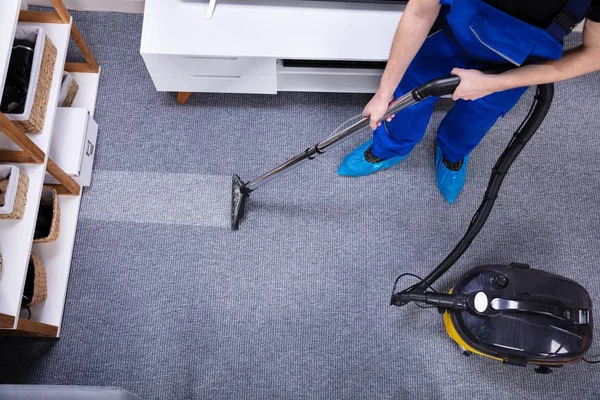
(591, 361)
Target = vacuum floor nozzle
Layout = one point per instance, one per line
(239, 196)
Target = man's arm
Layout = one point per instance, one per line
(413, 28)
(575, 62)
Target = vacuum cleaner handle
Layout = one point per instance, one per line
(576, 316)
(447, 85)
(436, 87)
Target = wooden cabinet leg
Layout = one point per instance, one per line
(182, 97)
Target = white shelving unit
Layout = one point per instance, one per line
(9, 11)
(16, 236)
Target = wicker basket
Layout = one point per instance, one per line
(20, 198)
(40, 288)
(50, 194)
(71, 93)
(37, 117)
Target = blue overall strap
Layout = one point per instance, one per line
(573, 13)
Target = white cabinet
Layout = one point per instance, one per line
(242, 48)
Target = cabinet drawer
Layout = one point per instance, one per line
(328, 80)
(221, 66)
(215, 84)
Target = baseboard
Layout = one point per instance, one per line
(127, 6)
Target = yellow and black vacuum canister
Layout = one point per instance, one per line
(519, 315)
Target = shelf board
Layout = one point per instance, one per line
(59, 34)
(56, 257)
(9, 14)
(88, 90)
(15, 243)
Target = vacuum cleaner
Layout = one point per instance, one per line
(514, 314)
(511, 313)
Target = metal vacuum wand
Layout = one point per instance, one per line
(241, 190)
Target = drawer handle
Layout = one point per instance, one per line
(210, 58)
(89, 149)
(215, 76)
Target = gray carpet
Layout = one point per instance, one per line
(170, 304)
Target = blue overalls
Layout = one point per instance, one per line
(479, 35)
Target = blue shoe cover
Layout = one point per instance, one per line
(355, 164)
(449, 182)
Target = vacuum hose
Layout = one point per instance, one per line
(531, 123)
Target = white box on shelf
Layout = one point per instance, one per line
(74, 144)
